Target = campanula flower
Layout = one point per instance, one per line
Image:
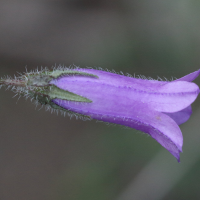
(151, 106)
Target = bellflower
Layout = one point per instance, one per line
(151, 106)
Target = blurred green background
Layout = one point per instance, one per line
(49, 157)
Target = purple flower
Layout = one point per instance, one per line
(151, 106)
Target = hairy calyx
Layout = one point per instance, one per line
(36, 85)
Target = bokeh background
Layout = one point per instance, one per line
(48, 157)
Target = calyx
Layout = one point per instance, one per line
(40, 89)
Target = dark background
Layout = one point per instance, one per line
(48, 157)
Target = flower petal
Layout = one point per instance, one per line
(161, 96)
(190, 77)
(174, 96)
(158, 125)
(182, 116)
